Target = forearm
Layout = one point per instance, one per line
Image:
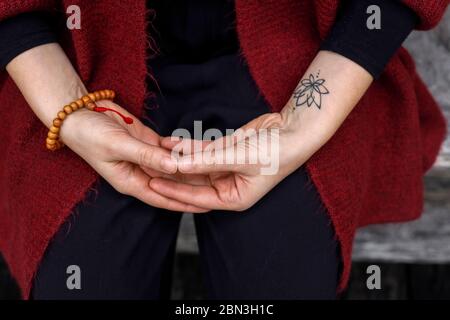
(310, 117)
(47, 80)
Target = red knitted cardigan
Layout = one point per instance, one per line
(369, 172)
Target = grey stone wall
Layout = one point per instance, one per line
(431, 51)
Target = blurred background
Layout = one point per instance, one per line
(414, 257)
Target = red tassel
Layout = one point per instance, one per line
(127, 120)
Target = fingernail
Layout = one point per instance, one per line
(168, 165)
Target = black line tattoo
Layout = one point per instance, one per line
(310, 91)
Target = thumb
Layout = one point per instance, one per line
(145, 155)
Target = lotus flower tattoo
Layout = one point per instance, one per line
(310, 91)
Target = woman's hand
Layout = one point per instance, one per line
(234, 172)
(128, 156)
(325, 96)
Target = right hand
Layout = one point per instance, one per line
(128, 156)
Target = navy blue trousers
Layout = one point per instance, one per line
(284, 247)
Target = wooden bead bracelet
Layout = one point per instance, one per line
(53, 141)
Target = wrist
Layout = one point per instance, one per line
(307, 126)
(73, 125)
(326, 94)
(46, 79)
(48, 108)
(75, 121)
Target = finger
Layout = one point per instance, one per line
(139, 187)
(154, 173)
(194, 179)
(145, 155)
(145, 134)
(234, 159)
(184, 146)
(200, 196)
(192, 145)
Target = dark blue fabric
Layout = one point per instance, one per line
(281, 248)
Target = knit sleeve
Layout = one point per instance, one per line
(371, 49)
(10, 8)
(430, 12)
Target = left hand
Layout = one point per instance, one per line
(212, 183)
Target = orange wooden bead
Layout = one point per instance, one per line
(50, 141)
(97, 96)
(80, 103)
(62, 115)
(57, 122)
(90, 106)
(52, 135)
(54, 129)
(86, 99)
(54, 146)
(74, 106)
(68, 109)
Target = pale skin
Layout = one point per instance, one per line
(136, 161)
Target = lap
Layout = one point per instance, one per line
(283, 247)
(122, 246)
